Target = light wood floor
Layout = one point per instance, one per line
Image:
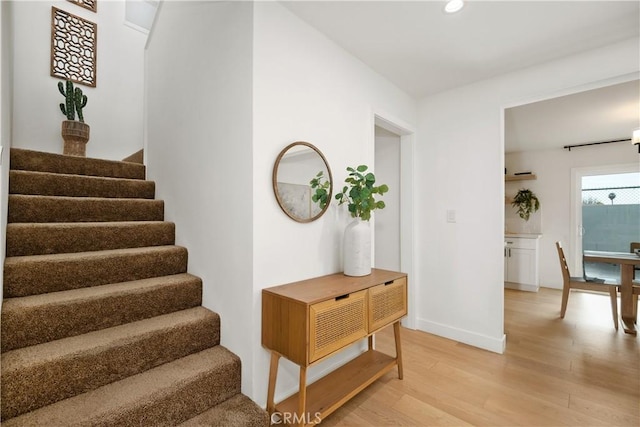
(576, 371)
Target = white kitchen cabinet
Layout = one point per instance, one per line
(521, 262)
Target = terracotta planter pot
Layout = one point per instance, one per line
(75, 135)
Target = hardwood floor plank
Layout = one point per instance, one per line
(424, 413)
(574, 371)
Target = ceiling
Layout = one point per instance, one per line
(423, 51)
(604, 114)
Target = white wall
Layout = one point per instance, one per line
(553, 188)
(461, 152)
(114, 109)
(199, 152)
(6, 95)
(306, 88)
(387, 220)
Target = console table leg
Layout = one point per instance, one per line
(396, 333)
(273, 374)
(302, 394)
(370, 342)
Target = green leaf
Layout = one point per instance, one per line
(383, 189)
(362, 168)
(380, 204)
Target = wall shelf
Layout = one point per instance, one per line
(527, 177)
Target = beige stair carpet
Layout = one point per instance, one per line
(101, 323)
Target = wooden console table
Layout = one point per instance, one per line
(311, 320)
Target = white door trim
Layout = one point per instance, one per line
(407, 244)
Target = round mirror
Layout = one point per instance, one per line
(302, 182)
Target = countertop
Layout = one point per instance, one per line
(523, 235)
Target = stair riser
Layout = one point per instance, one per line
(237, 411)
(173, 405)
(26, 326)
(43, 238)
(57, 163)
(60, 209)
(32, 387)
(34, 276)
(44, 184)
(193, 398)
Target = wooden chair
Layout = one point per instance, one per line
(636, 291)
(581, 283)
(633, 248)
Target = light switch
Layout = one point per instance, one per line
(451, 215)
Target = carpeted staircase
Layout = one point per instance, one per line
(101, 323)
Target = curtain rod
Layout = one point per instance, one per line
(569, 147)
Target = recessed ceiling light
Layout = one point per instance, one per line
(454, 6)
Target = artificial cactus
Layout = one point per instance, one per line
(68, 107)
(74, 101)
(80, 102)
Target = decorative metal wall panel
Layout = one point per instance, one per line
(87, 4)
(74, 43)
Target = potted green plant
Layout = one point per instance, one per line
(526, 203)
(360, 196)
(75, 133)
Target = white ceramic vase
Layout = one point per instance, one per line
(357, 248)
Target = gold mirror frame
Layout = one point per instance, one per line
(281, 197)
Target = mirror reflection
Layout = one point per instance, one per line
(302, 182)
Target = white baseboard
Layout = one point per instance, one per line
(521, 287)
(496, 345)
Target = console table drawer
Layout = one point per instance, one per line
(387, 303)
(336, 323)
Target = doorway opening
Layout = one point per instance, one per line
(387, 223)
(393, 225)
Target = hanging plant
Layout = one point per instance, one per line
(526, 202)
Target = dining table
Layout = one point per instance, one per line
(627, 262)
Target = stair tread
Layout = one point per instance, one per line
(35, 208)
(39, 274)
(238, 410)
(88, 178)
(90, 255)
(83, 199)
(22, 159)
(120, 397)
(94, 292)
(60, 184)
(41, 318)
(95, 341)
(88, 224)
(28, 238)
